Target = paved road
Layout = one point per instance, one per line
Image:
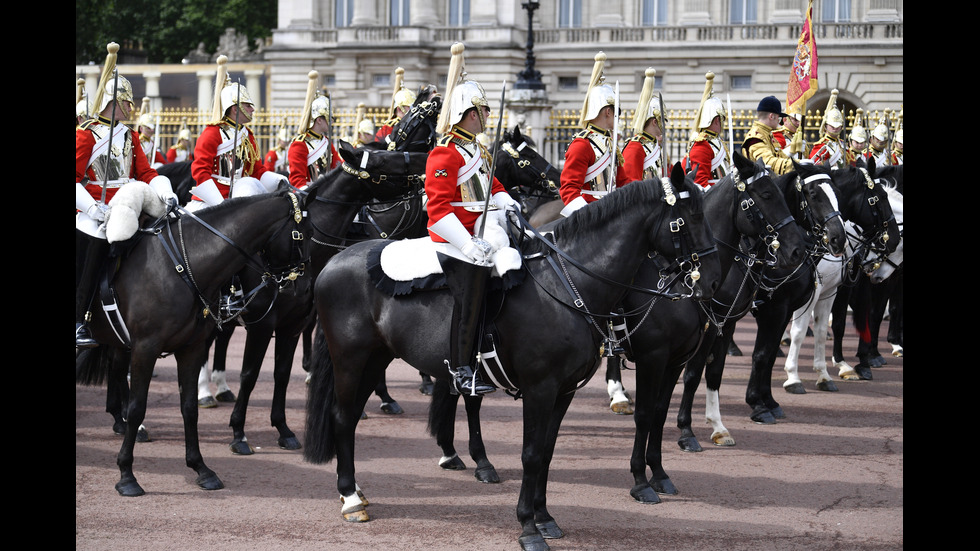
(828, 477)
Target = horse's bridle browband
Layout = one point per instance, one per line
(523, 164)
(817, 226)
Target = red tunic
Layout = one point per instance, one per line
(634, 156)
(206, 162)
(441, 172)
(271, 158)
(299, 166)
(701, 155)
(172, 155)
(578, 158)
(84, 142)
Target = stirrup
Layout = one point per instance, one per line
(232, 304)
(83, 338)
(466, 381)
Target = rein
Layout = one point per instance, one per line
(181, 260)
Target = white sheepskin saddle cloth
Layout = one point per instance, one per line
(125, 208)
(415, 260)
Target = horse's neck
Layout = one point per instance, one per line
(720, 214)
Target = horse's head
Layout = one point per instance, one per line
(523, 171)
(286, 254)
(814, 203)
(385, 174)
(762, 216)
(696, 252)
(865, 203)
(416, 131)
(882, 267)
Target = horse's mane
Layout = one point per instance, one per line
(584, 221)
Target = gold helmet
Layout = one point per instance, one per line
(710, 107)
(184, 133)
(598, 95)
(109, 89)
(900, 136)
(859, 134)
(315, 106)
(461, 94)
(226, 93)
(283, 134)
(81, 99)
(648, 106)
(144, 118)
(832, 116)
(880, 131)
(401, 97)
(366, 126)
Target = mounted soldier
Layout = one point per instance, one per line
(784, 135)
(364, 130)
(593, 152)
(106, 158)
(643, 156)
(830, 150)
(226, 155)
(857, 142)
(181, 151)
(312, 154)
(759, 143)
(81, 102)
(878, 144)
(149, 141)
(707, 153)
(462, 192)
(898, 147)
(401, 103)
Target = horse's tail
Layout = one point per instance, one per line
(442, 410)
(320, 446)
(92, 366)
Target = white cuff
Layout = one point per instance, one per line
(576, 204)
(270, 180)
(83, 199)
(162, 186)
(451, 229)
(208, 192)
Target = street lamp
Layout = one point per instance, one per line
(529, 79)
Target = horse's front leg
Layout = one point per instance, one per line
(821, 318)
(256, 344)
(485, 471)
(543, 520)
(189, 361)
(141, 370)
(539, 405)
(643, 420)
(692, 380)
(771, 319)
(797, 334)
(285, 350)
(713, 371)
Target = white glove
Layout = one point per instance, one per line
(98, 211)
(805, 161)
(505, 201)
(477, 250)
(164, 190)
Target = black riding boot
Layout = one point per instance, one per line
(467, 283)
(90, 256)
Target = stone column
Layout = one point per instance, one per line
(205, 90)
(609, 13)
(423, 14)
(253, 82)
(153, 90)
(483, 13)
(694, 12)
(365, 13)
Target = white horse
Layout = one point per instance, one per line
(829, 278)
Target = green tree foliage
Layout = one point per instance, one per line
(166, 29)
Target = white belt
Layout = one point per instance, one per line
(594, 193)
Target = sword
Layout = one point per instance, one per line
(663, 135)
(156, 140)
(112, 132)
(493, 158)
(234, 147)
(615, 142)
(731, 133)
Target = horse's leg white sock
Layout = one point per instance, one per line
(203, 389)
(218, 378)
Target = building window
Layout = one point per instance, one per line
(381, 80)
(399, 13)
(653, 12)
(569, 13)
(836, 11)
(459, 13)
(743, 12)
(329, 81)
(741, 82)
(568, 84)
(343, 13)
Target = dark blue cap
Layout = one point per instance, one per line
(771, 105)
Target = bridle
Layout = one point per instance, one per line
(542, 186)
(815, 225)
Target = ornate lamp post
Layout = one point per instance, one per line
(529, 78)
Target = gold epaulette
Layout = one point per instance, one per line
(444, 141)
(584, 134)
(392, 122)
(87, 123)
(702, 137)
(636, 138)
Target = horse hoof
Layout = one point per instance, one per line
(364, 415)
(453, 463)
(778, 412)
(533, 542)
(207, 402)
(226, 396)
(426, 387)
(142, 435)
(763, 418)
(877, 361)
(621, 408)
(549, 530)
(795, 388)
(898, 351)
(827, 386)
(392, 408)
(734, 350)
(664, 487)
(863, 372)
(689, 444)
(241, 447)
(308, 377)
(486, 475)
(209, 481)
(357, 516)
(723, 439)
(644, 493)
(119, 427)
(289, 443)
(128, 487)
(849, 376)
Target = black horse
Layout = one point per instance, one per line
(333, 200)
(181, 179)
(584, 271)
(747, 215)
(167, 290)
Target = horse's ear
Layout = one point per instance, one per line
(871, 166)
(517, 132)
(677, 175)
(347, 152)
